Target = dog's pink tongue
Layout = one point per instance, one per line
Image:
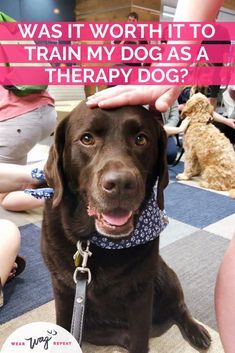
(117, 219)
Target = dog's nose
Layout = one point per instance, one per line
(118, 182)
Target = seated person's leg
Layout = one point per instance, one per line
(19, 201)
(224, 299)
(171, 150)
(9, 247)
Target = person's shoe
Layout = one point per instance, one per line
(18, 267)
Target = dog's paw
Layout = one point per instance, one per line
(198, 335)
(205, 185)
(232, 193)
(182, 176)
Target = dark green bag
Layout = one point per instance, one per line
(20, 90)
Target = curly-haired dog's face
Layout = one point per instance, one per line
(198, 109)
(109, 158)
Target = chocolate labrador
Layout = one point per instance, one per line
(106, 166)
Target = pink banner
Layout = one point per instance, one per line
(117, 53)
(99, 31)
(118, 75)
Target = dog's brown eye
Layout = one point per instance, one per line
(141, 140)
(87, 139)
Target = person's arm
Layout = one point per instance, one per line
(192, 11)
(173, 117)
(15, 177)
(174, 130)
(226, 121)
(161, 96)
(224, 299)
(231, 90)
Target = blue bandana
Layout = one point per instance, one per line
(150, 223)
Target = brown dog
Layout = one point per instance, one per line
(208, 153)
(103, 166)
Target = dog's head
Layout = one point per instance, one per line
(198, 109)
(111, 159)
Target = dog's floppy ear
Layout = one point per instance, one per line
(54, 166)
(188, 109)
(161, 167)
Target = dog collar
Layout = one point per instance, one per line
(150, 223)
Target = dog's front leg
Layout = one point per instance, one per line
(64, 298)
(140, 319)
(191, 166)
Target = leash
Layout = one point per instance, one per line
(83, 272)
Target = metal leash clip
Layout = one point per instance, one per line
(84, 255)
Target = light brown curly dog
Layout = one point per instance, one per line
(208, 152)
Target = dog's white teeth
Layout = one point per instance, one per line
(111, 226)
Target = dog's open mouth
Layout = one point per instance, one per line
(116, 223)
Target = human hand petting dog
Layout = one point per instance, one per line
(174, 130)
(230, 122)
(184, 124)
(226, 121)
(160, 96)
